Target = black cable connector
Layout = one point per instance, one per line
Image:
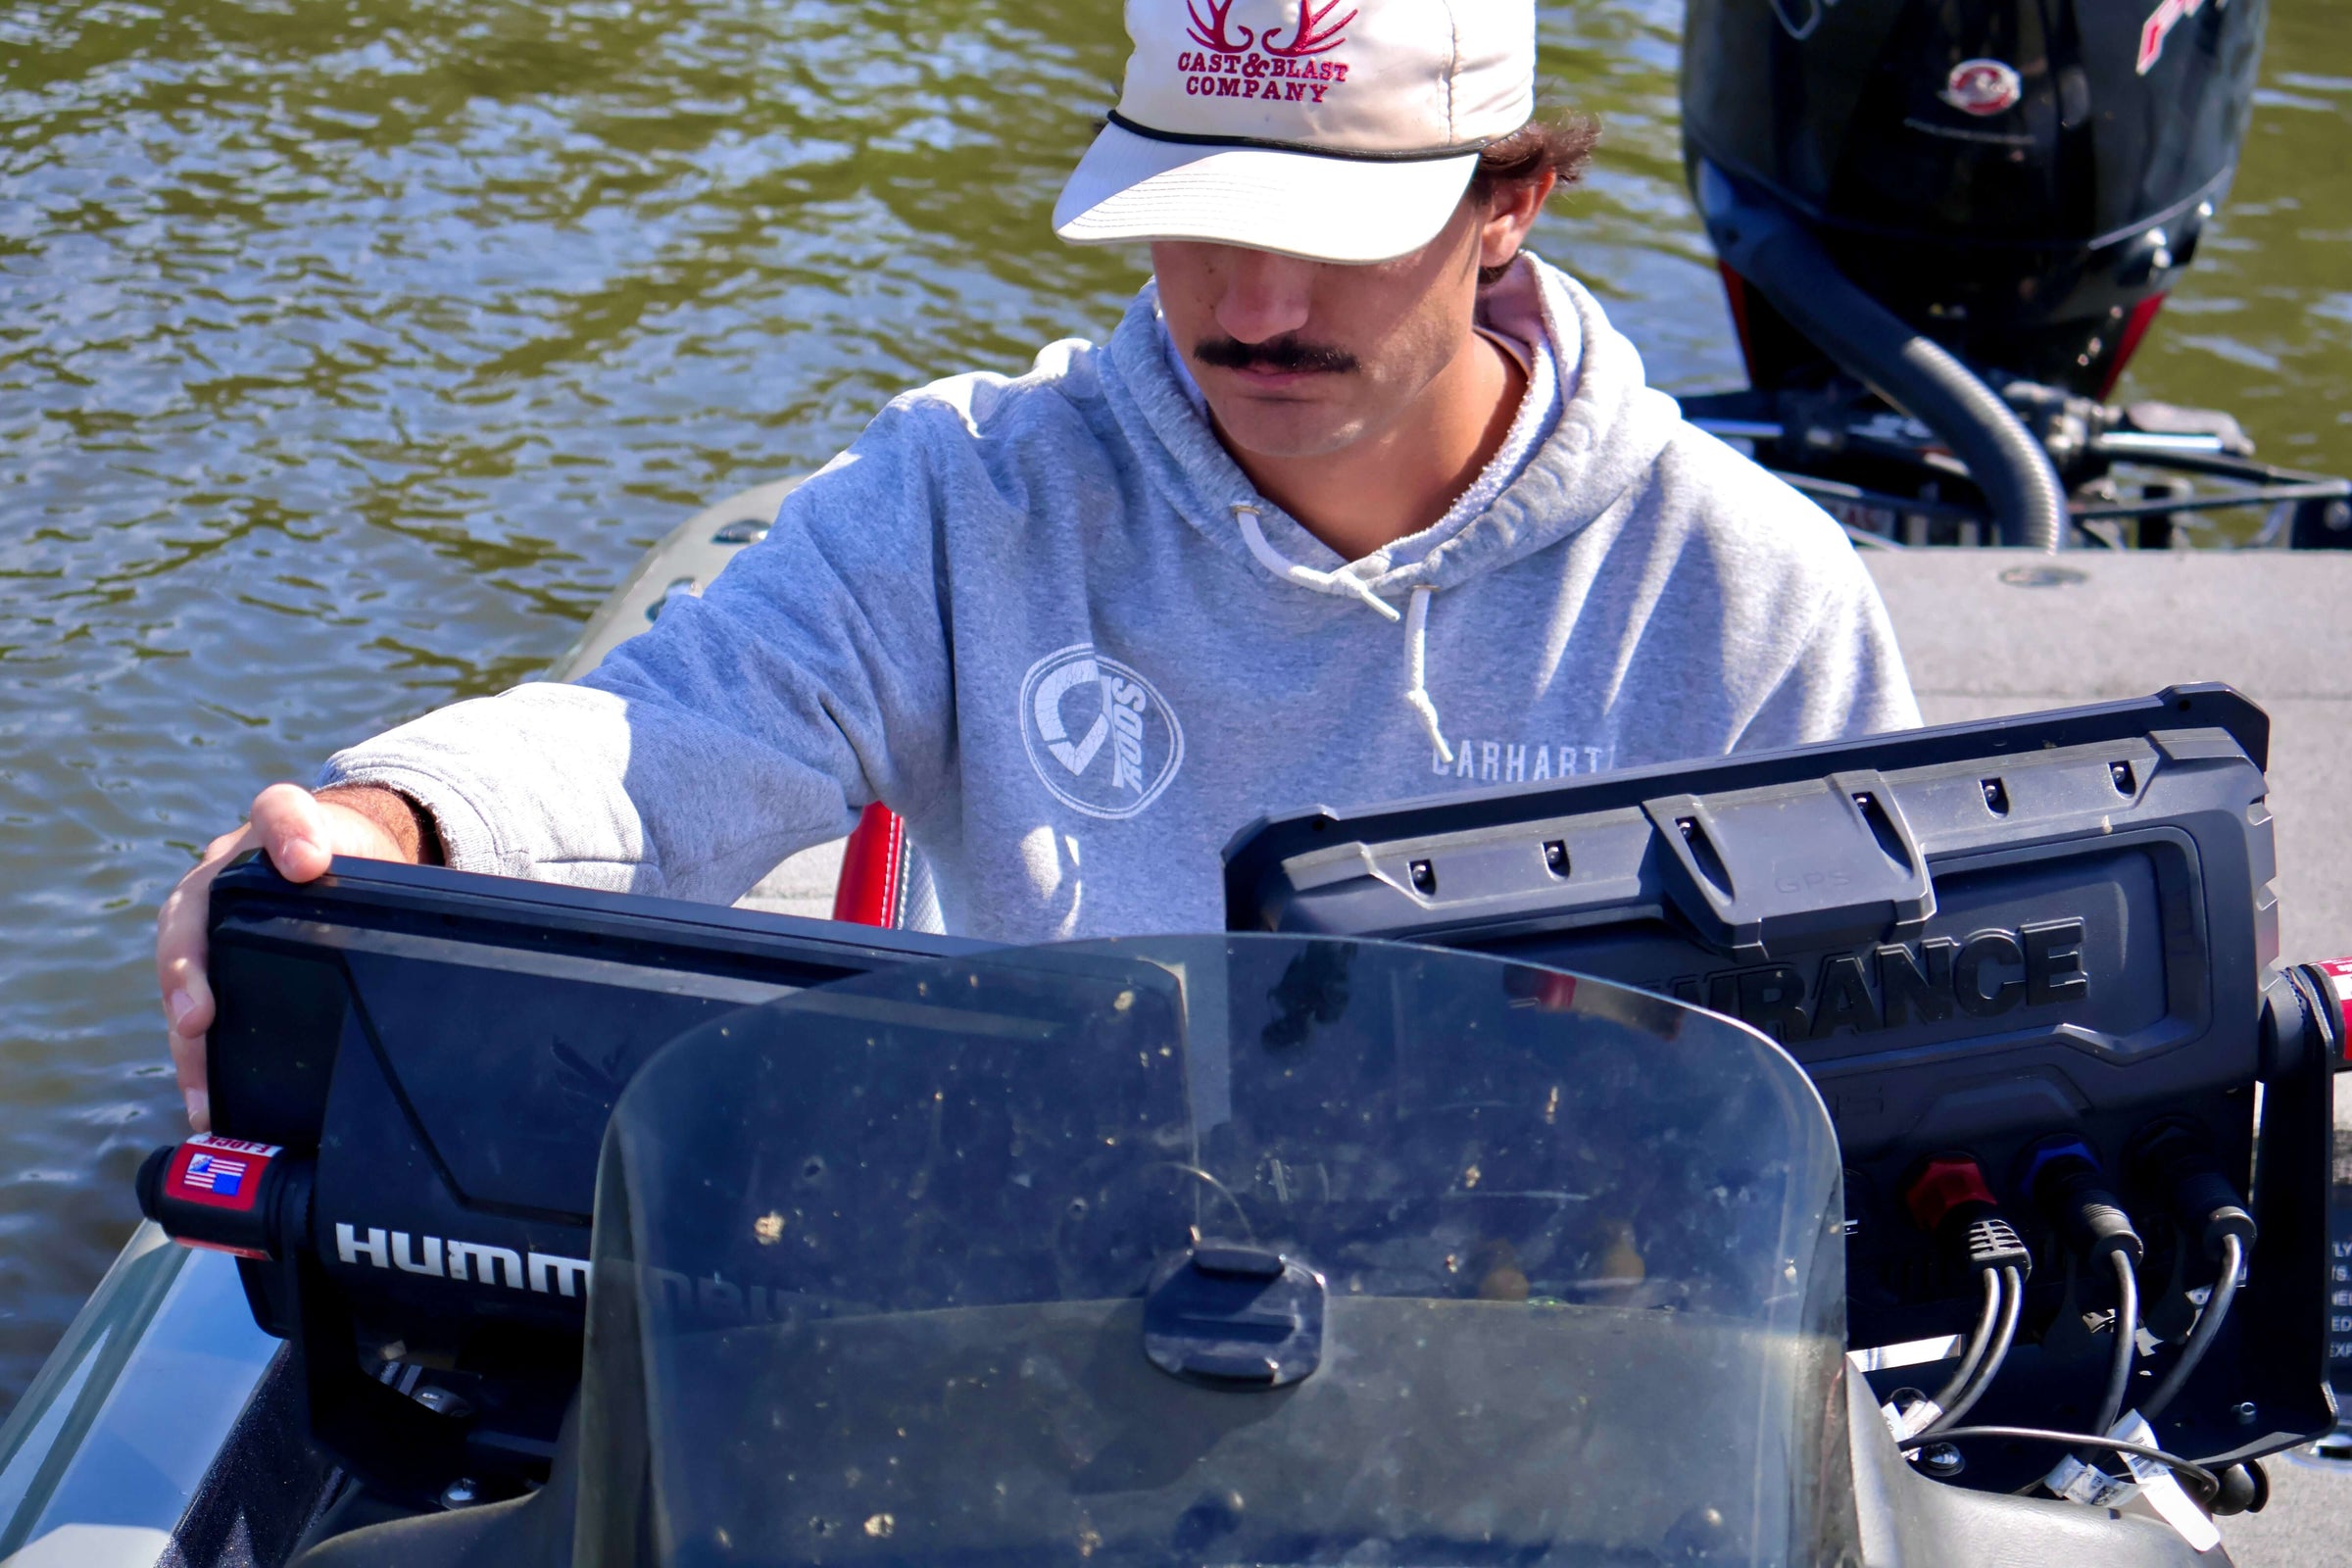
(2177, 1162)
(1993, 1246)
(2064, 1180)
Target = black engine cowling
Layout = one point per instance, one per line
(2020, 179)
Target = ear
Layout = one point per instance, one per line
(1513, 214)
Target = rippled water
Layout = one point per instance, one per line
(351, 350)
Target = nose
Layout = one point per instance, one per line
(1264, 295)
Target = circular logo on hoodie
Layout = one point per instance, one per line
(1100, 736)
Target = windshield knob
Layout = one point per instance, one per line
(1245, 1262)
(1235, 1317)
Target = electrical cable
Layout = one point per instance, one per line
(2201, 1338)
(2205, 1479)
(2127, 1343)
(1978, 1340)
(2013, 1302)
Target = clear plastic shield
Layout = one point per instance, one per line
(1217, 1249)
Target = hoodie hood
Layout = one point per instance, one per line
(1610, 430)
(1606, 438)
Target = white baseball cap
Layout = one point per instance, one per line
(1339, 130)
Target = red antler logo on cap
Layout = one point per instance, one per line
(1213, 31)
(1313, 36)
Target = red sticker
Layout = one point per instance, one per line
(1982, 87)
(219, 1172)
(2159, 25)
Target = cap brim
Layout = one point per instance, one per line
(1345, 210)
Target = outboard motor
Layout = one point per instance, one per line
(1973, 214)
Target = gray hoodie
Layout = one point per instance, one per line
(1051, 624)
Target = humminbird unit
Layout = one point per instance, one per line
(419, 1066)
(1990, 944)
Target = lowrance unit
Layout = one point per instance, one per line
(1981, 941)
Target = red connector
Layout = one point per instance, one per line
(1943, 1184)
(1951, 1201)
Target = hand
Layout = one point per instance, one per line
(301, 833)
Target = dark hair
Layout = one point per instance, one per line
(1559, 144)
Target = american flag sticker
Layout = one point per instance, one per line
(219, 1172)
(215, 1173)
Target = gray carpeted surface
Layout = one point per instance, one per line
(2002, 631)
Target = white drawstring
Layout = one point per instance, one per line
(1345, 581)
(1339, 581)
(1416, 669)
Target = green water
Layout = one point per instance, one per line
(351, 350)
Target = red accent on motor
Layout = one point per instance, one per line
(1734, 290)
(2136, 328)
(1944, 1184)
(873, 869)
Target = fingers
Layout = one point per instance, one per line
(180, 954)
(195, 1092)
(289, 825)
(301, 835)
(180, 942)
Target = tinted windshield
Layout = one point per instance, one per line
(1217, 1249)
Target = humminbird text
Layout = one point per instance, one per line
(478, 1261)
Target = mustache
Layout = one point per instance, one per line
(1286, 354)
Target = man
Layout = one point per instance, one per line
(1358, 502)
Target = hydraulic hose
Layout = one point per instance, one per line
(1770, 249)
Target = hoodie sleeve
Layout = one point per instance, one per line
(811, 678)
(1847, 678)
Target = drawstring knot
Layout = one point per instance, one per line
(1344, 582)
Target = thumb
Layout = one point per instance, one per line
(294, 830)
